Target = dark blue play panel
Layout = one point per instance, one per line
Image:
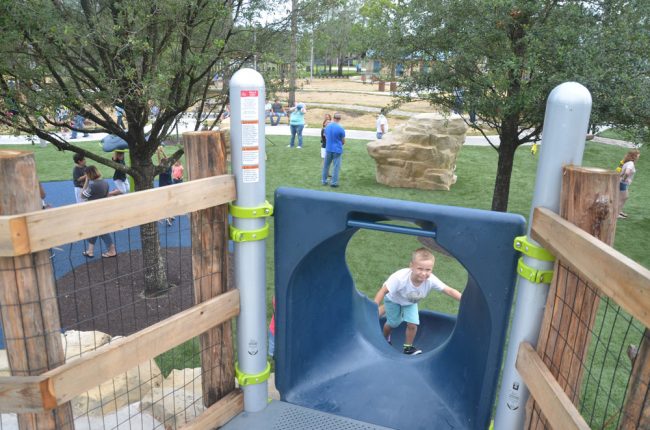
(330, 353)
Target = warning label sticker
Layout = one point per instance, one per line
(250, 156)
(250, 134)
(250, 174)
(249, 105)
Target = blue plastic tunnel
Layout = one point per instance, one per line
(330, 353)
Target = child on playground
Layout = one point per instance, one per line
(78, 175)
(177, 172)
(403, 290)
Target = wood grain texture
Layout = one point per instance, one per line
(51, 228)
(617, 276)
(557, 407)
(219, 413)
(589, 201)
(205, 154)
(30, 316)
(102, 364)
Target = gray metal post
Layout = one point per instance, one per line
(247, 97)
(563, 141)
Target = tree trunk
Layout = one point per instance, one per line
(155, 275)
(294, 53)
(340, 68)
(507, 148)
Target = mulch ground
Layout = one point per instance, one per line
(107, 294)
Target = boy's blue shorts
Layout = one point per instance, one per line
(395, 313)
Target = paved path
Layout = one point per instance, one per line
(370, 109)
(615, 142)
(283, 130)
(279, 130)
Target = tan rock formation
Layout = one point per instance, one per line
(178, 400)
(114, 393)
(421, 153)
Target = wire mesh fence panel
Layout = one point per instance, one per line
(100, 299)
(590, 345)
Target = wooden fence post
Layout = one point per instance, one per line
(28, 302)
(589, 199)
(205, 155)
(636, 410)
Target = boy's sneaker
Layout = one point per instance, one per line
(389, 340)
(411, 350)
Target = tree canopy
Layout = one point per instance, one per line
(501, 59)
(88, 56)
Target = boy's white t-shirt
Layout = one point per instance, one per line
(402, 291)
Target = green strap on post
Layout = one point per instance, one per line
(533, 275)
(526, 247)
(239, 235)
(255, 212)
(523, 245)
(245, 379)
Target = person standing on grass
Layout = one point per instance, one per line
(323, 139)
(119, 113)
(334, 141)
(382, 124)
(297, 123)
(403, 290)
(627, 175)
(78, 125)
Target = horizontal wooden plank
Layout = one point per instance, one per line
(78, 376)
(218, 414)
(58, 226)
(553, 401)
(616, 275)
(21, 394)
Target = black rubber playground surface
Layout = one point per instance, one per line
(106, 294)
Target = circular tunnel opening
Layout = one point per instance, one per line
(372, 256)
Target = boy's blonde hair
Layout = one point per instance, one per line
(422, 254)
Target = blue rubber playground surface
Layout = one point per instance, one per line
(67, 257)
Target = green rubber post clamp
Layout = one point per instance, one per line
(533, 275)
(523, 245)
(254, 212)
(245, 379)
(239, 235)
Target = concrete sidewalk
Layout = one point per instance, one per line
(278, 130)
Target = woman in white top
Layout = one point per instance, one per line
(627, 175)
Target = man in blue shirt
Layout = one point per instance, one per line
(335, 139)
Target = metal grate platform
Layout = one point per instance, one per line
(285, 416)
